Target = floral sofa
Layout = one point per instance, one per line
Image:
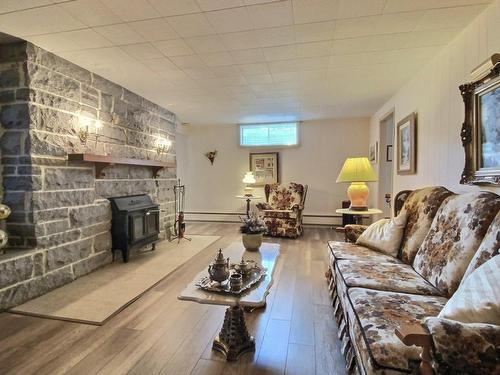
(283, 208)
(374, 295)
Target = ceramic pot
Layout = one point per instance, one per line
(252, 242)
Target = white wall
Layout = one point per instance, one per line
(434, 94)
(317, 161)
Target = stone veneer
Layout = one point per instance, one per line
(59, 228)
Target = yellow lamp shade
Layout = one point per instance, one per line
(357, 170)
(249, 178)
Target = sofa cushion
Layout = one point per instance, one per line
(421, 207)
(456, 232)
(384, 235)
(377, 314)
(347, 250)
(477, 300)
(490, 247)
(464, 348)
(388, 277)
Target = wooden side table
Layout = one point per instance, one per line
(248, 198)
(358, 214)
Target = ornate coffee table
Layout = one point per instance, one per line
(234, 339)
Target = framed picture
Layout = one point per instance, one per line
(388, 153)
(265, 167)
(481, 129)
(373, 153)
(407, 145)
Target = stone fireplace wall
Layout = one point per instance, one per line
(59, 228)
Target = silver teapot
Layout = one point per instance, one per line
(218, 270)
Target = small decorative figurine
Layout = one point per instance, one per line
(218, 270)
(211, 156)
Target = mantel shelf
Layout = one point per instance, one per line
(103, 161)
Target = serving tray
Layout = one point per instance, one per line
(250, 278)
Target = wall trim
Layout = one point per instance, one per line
(233, 217)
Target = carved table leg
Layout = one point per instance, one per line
(233, 339)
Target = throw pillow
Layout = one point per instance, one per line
(384, 235)
(477, 300)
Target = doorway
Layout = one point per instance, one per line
(386, 158)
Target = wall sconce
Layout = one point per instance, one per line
(163, 145)
(84, 124)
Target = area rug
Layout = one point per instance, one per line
(97, 297)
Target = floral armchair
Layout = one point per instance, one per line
(282, 211)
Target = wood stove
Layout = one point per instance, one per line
(135, 223)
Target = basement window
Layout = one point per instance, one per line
(275, 134)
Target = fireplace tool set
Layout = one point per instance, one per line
(180, 199)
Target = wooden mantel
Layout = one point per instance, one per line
(103, 161)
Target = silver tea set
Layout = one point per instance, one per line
(220, 271)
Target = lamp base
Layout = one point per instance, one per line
(358, 194)
(248, 191)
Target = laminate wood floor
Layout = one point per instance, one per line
(295, 334)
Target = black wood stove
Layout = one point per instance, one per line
(135, 223)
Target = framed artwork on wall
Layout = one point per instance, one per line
(388, 153)
(480, 132)
(265, 167)
(373, 153)
(407, 145)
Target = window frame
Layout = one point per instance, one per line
(264, 147)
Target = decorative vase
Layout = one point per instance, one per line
(252, 242)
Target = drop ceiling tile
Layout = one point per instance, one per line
(276, 36)
(175, 47)
(71, 40)
(91, 12)
(217, 59)
(57, 42)
(313, 32)
(257, 79)
(44, 20)
(161, 64)
(15, 5)
(142, 51)
(230, 20)
(271, 14)
(397, 23)
(154, 29)
(388, 41)
(240, 40)
(351, 45)
(226, 71)
(314, 49)
(119, 34)
(188, 61)
(200, 73)
(253, 69)
(305, 11)
(248, 56)
(206, 44)
(131, 11)
(424, 38)
(355, 27)
(175, 7)
(208, 5)
(280, 53)
(360, 8)
(394, 6)
(87, 38)
(191, 25)
(448, 18)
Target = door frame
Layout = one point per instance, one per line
(382, 150)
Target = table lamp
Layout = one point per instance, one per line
(249, 179)
(357, 171)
